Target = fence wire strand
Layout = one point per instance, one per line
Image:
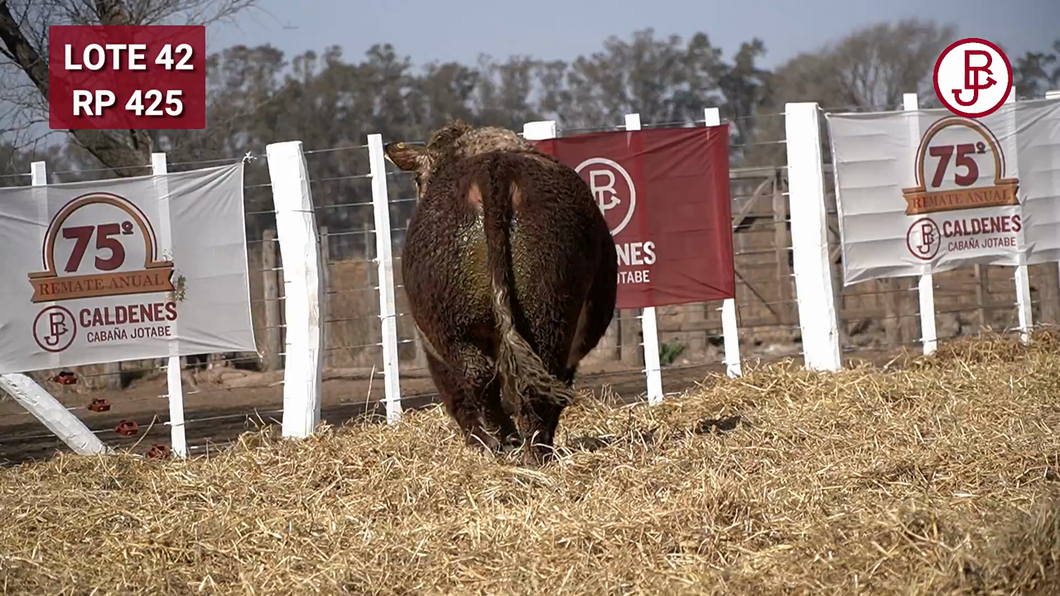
(875, 319)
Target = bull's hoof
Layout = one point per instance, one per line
(486, 442)
(538, 454)
(536, 458)
(508, 446)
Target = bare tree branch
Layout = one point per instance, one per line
(24, 35)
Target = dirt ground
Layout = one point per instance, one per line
(221, 404)
(216, 414)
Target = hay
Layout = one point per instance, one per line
(938, 478)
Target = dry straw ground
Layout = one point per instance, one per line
(934, 478)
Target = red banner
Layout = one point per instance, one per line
(665, 195)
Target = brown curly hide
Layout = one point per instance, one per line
(511, 275)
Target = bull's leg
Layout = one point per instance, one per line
(498, 430)
(471, 395)
(496, 421)
(597, 313)
(452, 391)
(542, 431)
(593, 320)
(540, 416)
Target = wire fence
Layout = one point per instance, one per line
(229, 393)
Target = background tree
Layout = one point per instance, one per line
(1037, 72)
(869, 68)
(24, 48)
(259, 95)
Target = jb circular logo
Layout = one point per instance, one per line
(54, 329)
(972, 77)
(613, 189)
(923, 239)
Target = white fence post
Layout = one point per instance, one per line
(649, 326)
(384, 258)
(1021, 276)
(53, 414)
(175, 386)
(1054, 95)
(926, 287)
(296, 231)
(809, 239)
(39, 402)
(729, 329)
(541, 130)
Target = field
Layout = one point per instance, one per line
(935, 475)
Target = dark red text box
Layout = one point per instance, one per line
(169, 92)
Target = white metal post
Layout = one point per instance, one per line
(159, 168)
(729, 329)
(1054, 95)
(926, 287)
(296, 232)
(385, 261)
(541, 130)
(35, 398)
(1021, 276)
(809, 239)
(53, 414)
(649, 325)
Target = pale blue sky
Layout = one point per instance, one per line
(563, 29)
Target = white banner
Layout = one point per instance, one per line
(927, 191)
(126, 269)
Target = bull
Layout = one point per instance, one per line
(511, 275)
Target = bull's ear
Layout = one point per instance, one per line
(406, 157)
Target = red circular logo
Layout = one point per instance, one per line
(54, 329)
(923, 239)
(613, 189)
(972, 77)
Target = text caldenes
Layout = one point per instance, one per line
(128, 314)
(106, 271)
(635, 254)
(107, 324)
(1000, 224)
(982, 233)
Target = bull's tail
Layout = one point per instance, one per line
(523, 374)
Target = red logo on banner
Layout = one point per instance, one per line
(612, 187)
(972, 77)
(665, 196)
(126, 77)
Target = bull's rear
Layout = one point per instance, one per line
(511, 274)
